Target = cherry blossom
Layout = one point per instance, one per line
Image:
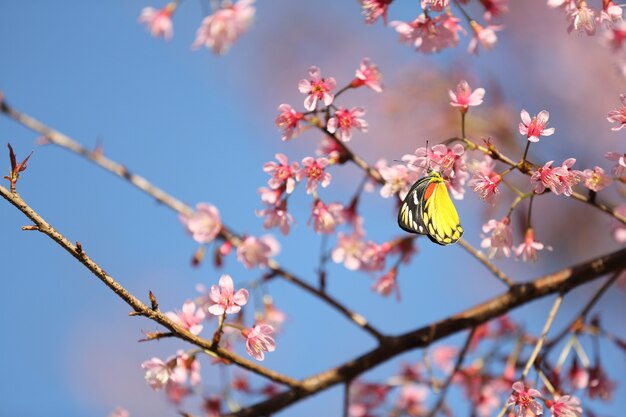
(450, 162)
(388, 283)
(494, 8)
(523, 399)
(157, 372)
(412, 399)
(212, 406)
(373, 255)
(331, 149)
(535, 127)
(614, 38)
(398, 180)
(581, 18)
(349, 250)
(159, 22)
(429, 34)
(259, 340)
(317, 88)
(559, 180)
(373, 9)
(187, 368)
(225, 299)
(443, 356)
(483, 36)
(488, 401)
(566, 406)
(345, 120)
(501, 240)
(288, 121)
(528, 249)
(176, 392)
(269, 196)
(314, 170)
(271, 315)
(277, 216)
(600, 386)
(595, 179)
(577, 376)
(486, 186)
(326, 217)
(220, 30)
(619, 169)
(463, 97)
(255, 251)
(619, 115)
(369, 75)
(188, 317)
(204, 224)
(611, 12)
(283, 173)
(435, 5)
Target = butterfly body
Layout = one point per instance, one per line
(428, 210)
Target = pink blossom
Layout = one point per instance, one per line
(277, 216)
(204, 224)
(188, 318)
(398, 180)
(450, 162)
(259, 340)
(486, 186)
(535, 127)
(501, 240)
(600, 386)
(314, 170)
(158, 22)
(611, 12)
(578, 376)
(241, 383)
(619, 115)
(619, 169)
(157, 372)
(483, 36)
(288, 121)
(187, 368)
(269, 196)
(326, 217)
(614, 37)
(581, 18)
(528, 249)
(283, 174)
(212, 406)
(330, 148)
(559, 180)
(373, 9)
(365, 396)
(345, 120)
(566, 406)
(373, 256)
(465, 97)
(255, 251)
(494, 8)
(595, 179)
(488, 401)
(618, 229)
(176, 392)
(524, 400)
(369, 75)
(443, 357)
(349, 250)
(119, 412)
(412, 399)
(429, 34)
(317, 88)
(225, 299)
(388, 283)
(221, 30)
(435, 5)
(272, 315)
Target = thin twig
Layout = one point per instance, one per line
(542, 338)
(497, 272)
(137, 305)
(448, 382)
(97, 157)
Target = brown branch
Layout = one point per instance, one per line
(497, 272)
(558, 282)
(97, 157)
(139, 307)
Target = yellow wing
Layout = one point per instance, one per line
(440, 216)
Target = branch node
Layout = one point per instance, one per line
(30, 227)
(154, 305)
(79, 249)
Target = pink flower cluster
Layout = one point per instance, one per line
(204, 224)
(559, 180)
(499, 241)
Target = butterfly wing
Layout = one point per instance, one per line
(410, 214)
(428, 210)
(440, 216)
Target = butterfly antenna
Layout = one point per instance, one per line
(427, 158)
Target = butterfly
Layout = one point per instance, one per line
(428, 210)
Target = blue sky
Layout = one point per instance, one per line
(201, 127)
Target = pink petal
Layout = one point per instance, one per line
(547, 132)
(188, 308)
(310, 102)
(477, 97)
(304, 86)
(525, 117)
(331, 83)
(226, 284)
(216, 309)
(332, 125)
(241, 297)
(328, 99)
(543, 117)
(314, 73)
(282, 158)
